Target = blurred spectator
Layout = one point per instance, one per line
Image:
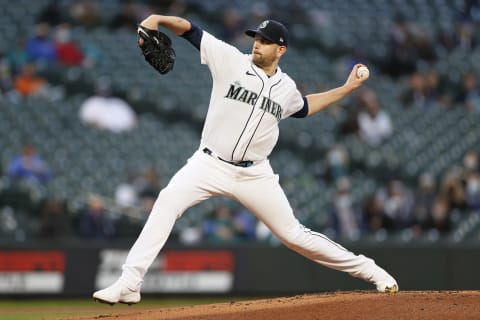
(397, 203)
(426, 90)
(148, 186)
(452, 189)
(337, 162)
(177, 8)
(402, 56)
(470, 177)
(345, 218)
(17, 56)
(51, 14)
(190, 235)
(414, 94)
(127, 17)
(29, 166)
(441, 215)
(220, 227)
(375, 125)
(40, 47)
(461, 36)
(464, 36)
(85, 13)
(435, 95)
(28, 83)
(446, 39)
(149, 183)
(136, 198)
(409, 44)
(470, 165)
(244, 223)
(68, 52)
(94, 222)
(12, 224)
(374, 217)
(472, 191)
(6, 80)
(107, 112)
(471, 161)
(126, 193)
(93, 56)
(425, 195)
(469, 93)
(54, 220)
(140, 190)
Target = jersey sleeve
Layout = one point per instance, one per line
(218, 55)
(296, 106)
(302, 113)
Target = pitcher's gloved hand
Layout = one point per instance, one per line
(157, 49)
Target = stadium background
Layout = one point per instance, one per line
(409, 198)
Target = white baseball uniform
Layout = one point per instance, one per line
(241, 126)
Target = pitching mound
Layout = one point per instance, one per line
(342, 305)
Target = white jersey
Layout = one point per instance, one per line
(245, 104)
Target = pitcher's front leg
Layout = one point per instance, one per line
(271, 206)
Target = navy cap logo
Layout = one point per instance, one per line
(263, 24)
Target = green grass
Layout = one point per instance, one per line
(35, 309)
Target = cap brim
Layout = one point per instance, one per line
(252, 33)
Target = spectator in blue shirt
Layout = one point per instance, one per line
(40, 47)
(28, 165)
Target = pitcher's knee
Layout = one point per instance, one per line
(292, 238)
(169, 202)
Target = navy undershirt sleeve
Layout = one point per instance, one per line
(194, 35)
(302, 113)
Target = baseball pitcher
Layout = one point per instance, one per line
(249, 97)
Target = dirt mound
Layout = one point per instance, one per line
(339, 306)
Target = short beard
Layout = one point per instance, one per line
(260, 61)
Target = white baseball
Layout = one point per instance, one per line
(363, 72)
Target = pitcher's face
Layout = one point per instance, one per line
(266, 53)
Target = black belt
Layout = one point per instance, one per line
(244, 164)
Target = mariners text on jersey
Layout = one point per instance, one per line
(241, 94)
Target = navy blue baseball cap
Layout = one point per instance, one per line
(271, 30)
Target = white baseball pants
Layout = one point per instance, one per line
(255, 187)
